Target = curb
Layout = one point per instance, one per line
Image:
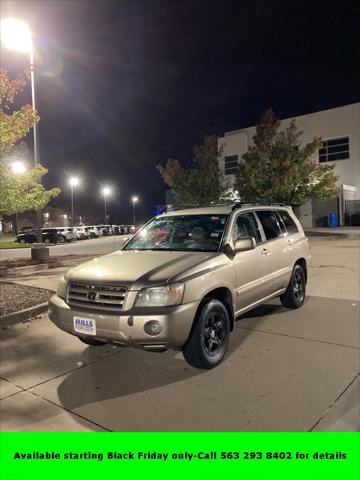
(331, 234)
(26, 314)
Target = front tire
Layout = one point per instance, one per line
(209, 339)
(294, 296)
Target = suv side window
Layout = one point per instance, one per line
(246, 226)
(269, 223)
(288, 222)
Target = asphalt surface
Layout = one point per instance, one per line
(286, 370)
(95, 246)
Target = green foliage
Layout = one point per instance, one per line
(18, 193)
(199, 185)
(277, 167)
(14, 125)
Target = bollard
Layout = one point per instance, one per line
(40, 253)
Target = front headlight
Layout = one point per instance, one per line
(61, 288)
(160, 296)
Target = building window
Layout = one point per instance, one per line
(335, 149)
(231, 165)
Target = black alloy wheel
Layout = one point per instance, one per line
(294, 296)
(209, 337)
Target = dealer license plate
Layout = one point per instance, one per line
(85, 325)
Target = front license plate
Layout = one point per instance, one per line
(85, 325)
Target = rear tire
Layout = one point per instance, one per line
(91, 341)
(294, 296)
(209, 338)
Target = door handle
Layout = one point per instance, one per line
(264, 251)
(289, 242)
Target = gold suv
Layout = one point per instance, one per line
(181, 281)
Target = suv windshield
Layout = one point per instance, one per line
(198, 233)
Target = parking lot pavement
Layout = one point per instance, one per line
(94, 246)
(293, 375)
(290, 370)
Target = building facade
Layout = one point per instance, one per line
(340, 130)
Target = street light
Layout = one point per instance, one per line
(106, 191)
(16, 35)
(18, 168)
(73, 183)
(134, 201)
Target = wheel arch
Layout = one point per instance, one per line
(223, 294)
(302, 262)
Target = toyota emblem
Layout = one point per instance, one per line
(92, 295)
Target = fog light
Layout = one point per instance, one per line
(153, 327)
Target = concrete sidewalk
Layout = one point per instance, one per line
(286, 370)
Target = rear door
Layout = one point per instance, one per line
(278, 248)
(253, 268)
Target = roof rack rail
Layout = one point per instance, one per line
(262, 201)
(233, 205)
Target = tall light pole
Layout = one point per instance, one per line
(73, 183)
(134, 201)
(106, 191)
(16, 35)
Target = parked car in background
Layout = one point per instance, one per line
(65, 234)
(27, 228)
(181, 282)
(31, 237)
(81, 233)
(91, 231)
(68, 233)
(116, 229)
(106, 229)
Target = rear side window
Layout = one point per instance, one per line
(288, 222)
(269, 223)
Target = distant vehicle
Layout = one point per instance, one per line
(106, 229)
(31, 237)
(116, 229)
(92, 231)
(81, 233)
(66, 234)
(126, 229)
(27, 228)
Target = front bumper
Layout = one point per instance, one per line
(128, 328)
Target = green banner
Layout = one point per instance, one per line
(135, 456)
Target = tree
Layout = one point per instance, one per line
(18, 193)
(276, 167)
(200, 185)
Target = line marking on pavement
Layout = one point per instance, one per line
(69, 411)
(28, 389)
(332, 405)
(299, 338)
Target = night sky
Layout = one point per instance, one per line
(124, 85)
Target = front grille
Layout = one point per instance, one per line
(96, 297)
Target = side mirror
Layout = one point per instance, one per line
(244, 244)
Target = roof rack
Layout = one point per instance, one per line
(268, 202)
(232, 205)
